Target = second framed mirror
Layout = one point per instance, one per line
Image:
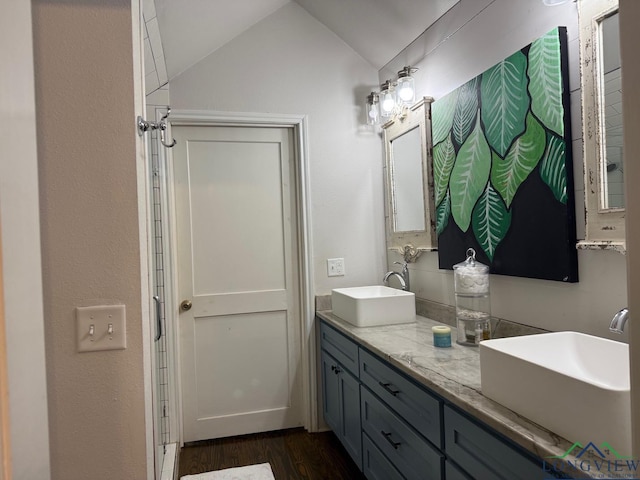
(409, 179)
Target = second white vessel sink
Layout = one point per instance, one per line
(573, 384)
(373, 305)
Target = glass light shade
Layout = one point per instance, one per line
(387, 99)
(373, 109)
(406, 90)
(554, 3)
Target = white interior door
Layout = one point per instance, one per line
(237, 266)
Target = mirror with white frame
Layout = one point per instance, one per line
(602, 120)
(410, 216)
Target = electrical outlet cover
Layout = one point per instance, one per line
(335, 267)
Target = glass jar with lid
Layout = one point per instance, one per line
(473, 304)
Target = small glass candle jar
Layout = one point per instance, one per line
(441, 336)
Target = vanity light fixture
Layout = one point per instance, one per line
(393, 98)
(406, 87)
(387, 99)
(373, 109)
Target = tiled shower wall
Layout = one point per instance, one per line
(155, 68)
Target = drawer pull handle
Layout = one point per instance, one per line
(387, 387)
(388, 437)
(335, 369)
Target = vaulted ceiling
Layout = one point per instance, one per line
(376, 29)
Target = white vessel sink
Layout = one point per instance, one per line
(575, 385)
(374, 305)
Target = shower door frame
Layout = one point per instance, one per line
(169, 327)
(307, 304)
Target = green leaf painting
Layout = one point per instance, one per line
(491, 220)
(442, 113)
(466, 109)
(499, 130)
(443, 212)
(507, 175)
(545, 84)
(553, 167)
(505, 101)
(469, 176)
(444, 155)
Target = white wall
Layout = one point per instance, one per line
(290, 63)
(473, 36)
(21, 247)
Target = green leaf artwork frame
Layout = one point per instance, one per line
(502, 166)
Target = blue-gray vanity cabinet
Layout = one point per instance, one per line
(396, 429)
(482, 455)
(341, 393)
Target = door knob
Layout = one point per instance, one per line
(185, 305)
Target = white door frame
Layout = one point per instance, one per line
(303, 205)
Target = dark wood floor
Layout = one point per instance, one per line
(293, 454)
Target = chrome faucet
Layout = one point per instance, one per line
(619, 320)
(403, 277)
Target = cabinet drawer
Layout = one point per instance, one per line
(340, 347)
(418, 407)
(453, 473)
(375, 465)
(412, 455)
(482, 455)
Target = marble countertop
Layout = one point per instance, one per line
(454, 374)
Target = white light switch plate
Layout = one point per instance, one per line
(102, 327)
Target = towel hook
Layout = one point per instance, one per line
(162, 125)
(163, 128)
